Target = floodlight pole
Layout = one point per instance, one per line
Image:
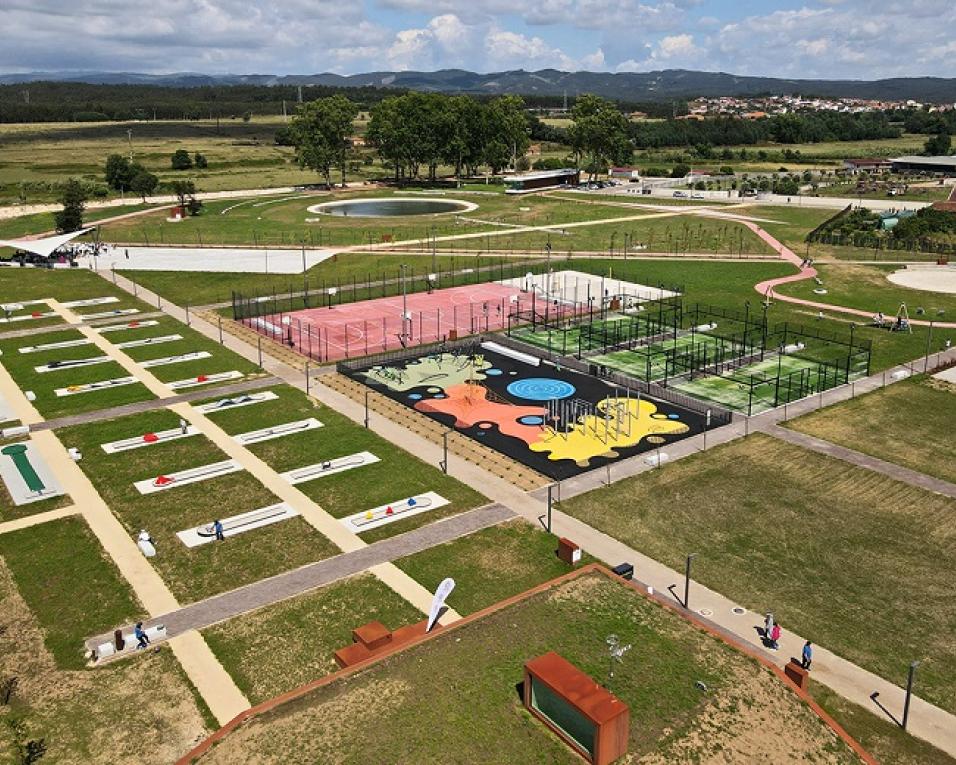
(367, 391)
(687, 579)
(909, 692)
(550, 503)
(403, 268)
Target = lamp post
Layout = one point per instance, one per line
(550, 503)
(929, 337)
(909, 692)
(690, 558)
(403, 267)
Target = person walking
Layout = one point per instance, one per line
(183, 426)
(767, 625)
(217, 527)
(142, 639)
(807, 656)
(775, 637)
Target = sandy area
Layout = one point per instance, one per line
(929, 278)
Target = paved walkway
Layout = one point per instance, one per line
(768, 288)
(37, 518)
(265, 592)
(148, 406)
(854, 683)
(898, 472)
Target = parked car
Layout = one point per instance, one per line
(680, 195)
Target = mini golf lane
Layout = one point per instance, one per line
(555, 421)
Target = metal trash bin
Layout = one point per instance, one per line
(624, 570)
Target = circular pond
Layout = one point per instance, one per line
(392, 207)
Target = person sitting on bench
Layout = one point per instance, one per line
(142, 639)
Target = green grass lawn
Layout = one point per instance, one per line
(848, 558)
(287, 221)
(290, 643)
(455, 698)
(22, 367)
(221, 359)
(39, 223)
(70, 585)
(397, 476)
(881, 737)
(489, 565)
(910, 423)
(191, 573)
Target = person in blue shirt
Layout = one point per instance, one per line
(217, 527)
(807, 655)
(142, 639)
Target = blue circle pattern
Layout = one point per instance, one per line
(531, 419)
(493, 372)
(541, 389)
(415, 396)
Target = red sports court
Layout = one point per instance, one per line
(374, 326)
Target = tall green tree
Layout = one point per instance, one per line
(321, 132)
(118, 172)
(600, 134)
(143, 182)
(506, 126)
(73, 198)
(938, 145)
(181, 160)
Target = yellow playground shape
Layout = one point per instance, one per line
(441, 370)
(620, 423)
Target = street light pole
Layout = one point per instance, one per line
(687, 579)
(403, 268)
(550, 503)
(909, 692)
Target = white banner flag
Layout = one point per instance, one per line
(443, 591)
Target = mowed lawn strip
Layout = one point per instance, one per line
(910, 423)
(70, 584)
(455, 698)
(191, 573)
(489, 565)
(852, 560)
(397, 476)
(880, 736)
(288, 644)
(22, 368)
(221, 359)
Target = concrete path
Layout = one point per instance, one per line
(214, 684)
(138, 407)
(265, 592)
(854, 683)
(37, 518)
(897, 472)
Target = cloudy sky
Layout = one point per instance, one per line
(862, 39)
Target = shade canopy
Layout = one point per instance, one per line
(43, 247)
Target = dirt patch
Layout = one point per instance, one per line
(755, 718)
(141, 709)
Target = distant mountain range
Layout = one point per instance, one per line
(626, 86)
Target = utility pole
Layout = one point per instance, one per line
(129, 138)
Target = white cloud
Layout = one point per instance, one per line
(510, 50)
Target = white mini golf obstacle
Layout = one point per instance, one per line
(179, 358)
(55, 366)
(116, 382)
(245, 399)
(126, 325)
(90, 301)
(108, 314)
(277, 431)
(393, 511)
(28, 316)
(237, 524)
(195, 382)
(26, 475)
(54, 346)
(157, 340)
(329, 467)
(148, 439)
(184, 477)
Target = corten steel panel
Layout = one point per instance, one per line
(604, 710)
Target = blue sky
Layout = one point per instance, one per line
(855, 39)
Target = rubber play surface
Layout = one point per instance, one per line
(554, 420)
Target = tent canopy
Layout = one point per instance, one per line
(43, 247)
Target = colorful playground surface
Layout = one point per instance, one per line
(555, 421)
